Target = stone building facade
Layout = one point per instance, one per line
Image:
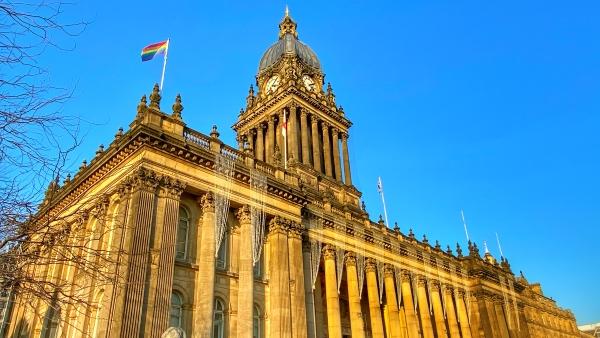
(270, 238)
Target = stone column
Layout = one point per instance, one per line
(270, 139)
(204, 294)
(489, 319)
(297, 299)
(356, 319)
(498, 302)
(373, 295)
(304, 129)
(451, 313)
(347, 176)
(336, 154)
(326, 150)
(293, 133)
(260, 145)
(402, 316)
(250, 136)
(163, 245)
(308, 291)
(412, 322)
(279, 279)
(438, 311)
(334, 324)
(245, 306)
(279, 133)
(424, 307)
(392, 301)
(141, 218)
(463, 319)
(316, 146)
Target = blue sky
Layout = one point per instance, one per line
(487, 107)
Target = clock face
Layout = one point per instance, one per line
(272, 84)
(309, 83)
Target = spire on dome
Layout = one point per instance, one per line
(287, 25)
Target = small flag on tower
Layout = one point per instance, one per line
(150, 51)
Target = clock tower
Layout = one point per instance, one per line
(291, 95)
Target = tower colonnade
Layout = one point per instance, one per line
(311, 141)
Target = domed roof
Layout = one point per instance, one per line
(288, 44)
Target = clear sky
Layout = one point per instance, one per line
(490, 107)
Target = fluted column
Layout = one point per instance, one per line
(490, 319)
(498, 302)
(270, 139)
(279, 133)
(373, 295)
(451, 313)
(402, 315)
(336, 154)
(293, 133)
(326, 149)
(161, 278)
(424, 307)
(412, 322)
(438, 311)
(304, 133)
(297, 299)
(205, 277)
(463, 319)
(392, 301)
(316, 146)
(141, 221)
(245, 306)
(334, 324)
(356, 318)
(347, 175)
(279, 279)
(260, 145)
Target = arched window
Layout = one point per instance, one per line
(219, 319)
(176, 310)
(183, 229)
(256, 327)
(222, 255)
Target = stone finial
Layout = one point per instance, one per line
(241, 112)
(458, 251)
(67, 179)
(340, 110)
(330, 95)
(396, 227)
(425, 240)
(214, 133)
(177, 107)
(381, 222)
(448, 250)
(437, 245)
(411, 234)
(141, 107)
(287, 26)
(155, 97)
(83, 165)
(363, 206)
(119, 133)
(100, 150)
(250, 97)
(474, 251)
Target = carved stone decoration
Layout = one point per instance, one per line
(170, 187)
(155, 98)
(370, 265)
(143, 178)
(177, 108)
(278, 224)
(141, 107)
(207, 202)
(405, 275)
(388, 270)
(243, 214)
(295, 230)
(350, 258)
(329, 251)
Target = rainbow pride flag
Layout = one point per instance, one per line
(150, 51)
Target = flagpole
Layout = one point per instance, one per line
(380, 188)
(162, 78)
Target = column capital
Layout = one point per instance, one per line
(207, 202)
(295, 230)
(278, 225)
(335, 131)
(370, 264)
(448, 289)
(405, 275)
(272, 118)
(292, 105)
(421, 280)
(388, 270)
(243, 214)
(435, 284)
(303, 113)
(345, 136)
(460, 292)
(350, 258)
(325, 125)
(314, 121)
(328, 251)
(144, 179)
(498, 299)
(170, 187)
